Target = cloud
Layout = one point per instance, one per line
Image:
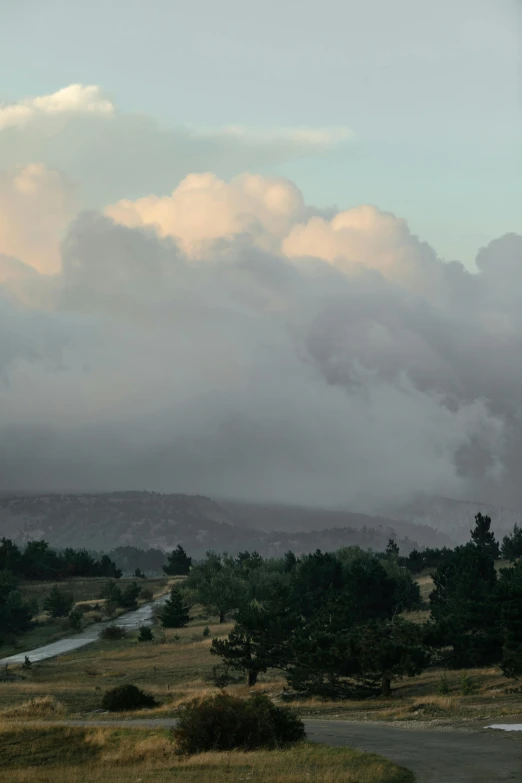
(113, 155)
(74, 99)
(231, 340)
(36, 206)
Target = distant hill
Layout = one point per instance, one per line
(455, 517)
(152, 520)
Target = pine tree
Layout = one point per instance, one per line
(512, 545)
(174, 613)
(58, 602)
(392, 548)
(483, 537)
(178, 563)
(509, 595)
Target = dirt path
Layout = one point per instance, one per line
(435, 755)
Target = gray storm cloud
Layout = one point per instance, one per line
(228, 339)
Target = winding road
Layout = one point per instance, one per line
(434, 754)
(129, 620)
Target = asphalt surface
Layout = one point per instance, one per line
(435, 755)
(129, 620)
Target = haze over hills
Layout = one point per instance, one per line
(103, 521)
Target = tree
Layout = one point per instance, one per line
(218, 585)
(512, 545)
(178, 563)
(111, 592)
(58, 602)
(129, 596)
(483, 537)
(392, 548)
(509, 595)
(463, 606)
(174, 613)
(15, 614)
(145, 634)
(386, 650)
(290, 561)
(138, 574)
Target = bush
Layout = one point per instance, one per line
(146, 594)
(467, 686)
(206, 631)
(113, 633)
(145, 634)
(58, 602)
(443, 687)
(225, 722)
(127, 697)
(75, 620)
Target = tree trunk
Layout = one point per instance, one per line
(251, 677)
(386, 686)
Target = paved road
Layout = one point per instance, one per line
(129, 620)
(434, 755)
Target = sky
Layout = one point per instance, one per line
(431, 91)
(264, 251)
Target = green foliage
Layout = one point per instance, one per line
(392, 549)
(206, 631)
(38, 561)
(138, 574)
(27, 663)
(509, 593)
(174, 613)
(512, 545)
(113, 633)
(218, 584)
(464, 608)
(125, 698)
(467, 686)
(224, 722)
(483, 537)
(75, 620)
(15, 614)
(129, 596)
(443, 688)
(178, 563)
(58, 602)
(146, 594)
(111, 592)
(145, 634)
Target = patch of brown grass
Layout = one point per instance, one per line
(39, 707)
(99, 755)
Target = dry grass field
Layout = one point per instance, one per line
(178, 665)
(56, 754)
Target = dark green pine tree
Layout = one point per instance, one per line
(392, 548)
(58, 602)
(464, 608)
(483, 537)
(509, 594)
(175, 612)
(178, 563)
(512, 545)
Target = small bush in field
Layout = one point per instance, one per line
(467, 686)
(146, 594)
(145, 634)
(224, 722)
(443, 687)
(113, 633)
(206, 631)
(127, 697)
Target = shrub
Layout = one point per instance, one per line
(467, 686)
(129, 597)
(206, 631)
(443, 687)
(146, 594)
(127, 697)
(221, 676)
(224, 722)
(145, 634)
(113, 633)
(75, 620)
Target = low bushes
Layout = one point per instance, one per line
(127, 697)
(225, 722)
(113, 633)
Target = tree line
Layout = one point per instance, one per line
(336, 623)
